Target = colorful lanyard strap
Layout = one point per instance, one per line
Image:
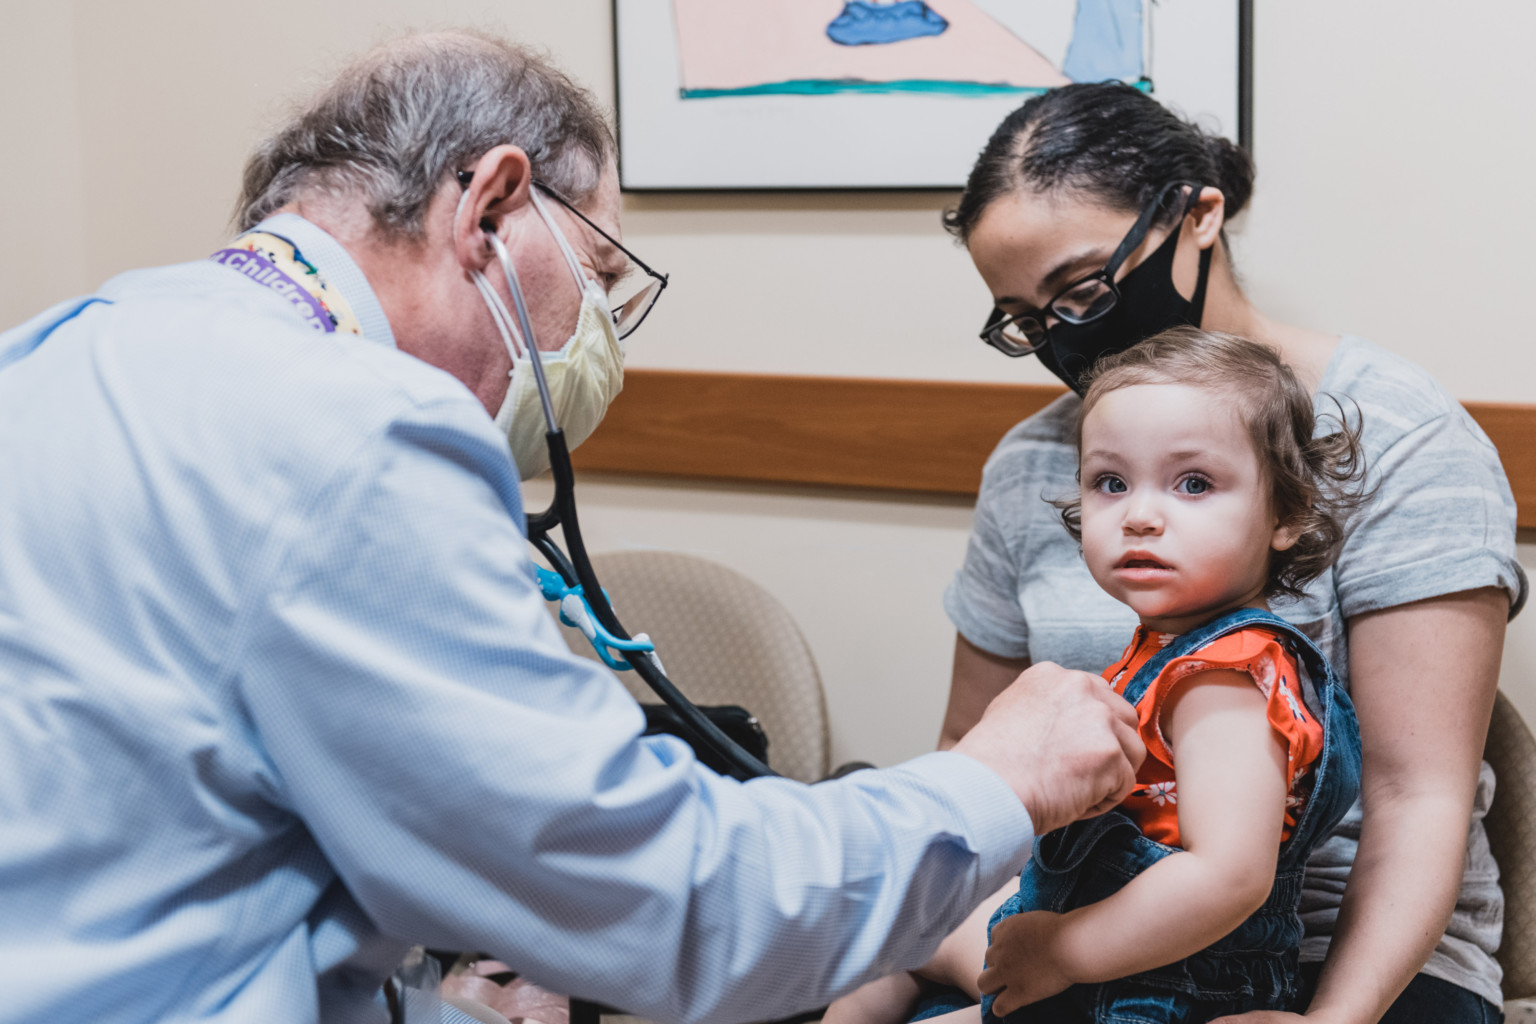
(277, 265)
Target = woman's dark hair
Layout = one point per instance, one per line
(1315, 482)
(1107, 141)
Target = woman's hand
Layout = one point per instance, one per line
(1275, 1017)
(1022, 966)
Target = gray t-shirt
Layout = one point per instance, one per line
(1442, 521)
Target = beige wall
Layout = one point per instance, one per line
(41, 209)
(1392, 203)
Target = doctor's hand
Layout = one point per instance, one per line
(1063, 740)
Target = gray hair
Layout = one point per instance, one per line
(403, 117)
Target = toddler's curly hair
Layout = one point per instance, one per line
(1316, 482)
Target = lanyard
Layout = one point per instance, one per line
(277, 265)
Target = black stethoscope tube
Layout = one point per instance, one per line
(577, 569)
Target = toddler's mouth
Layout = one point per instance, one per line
(1140, 560)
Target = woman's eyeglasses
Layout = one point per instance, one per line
(633, 295)
(1084, 300)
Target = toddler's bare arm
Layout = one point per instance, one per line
(1230, 768)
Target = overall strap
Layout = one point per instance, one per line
(1234, 621)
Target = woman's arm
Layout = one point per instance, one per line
(1231, 786)
(977, 677)
(1423, 678)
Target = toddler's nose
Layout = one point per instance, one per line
(1142, 517)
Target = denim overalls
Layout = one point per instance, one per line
(1253, 968)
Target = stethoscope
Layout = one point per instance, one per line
(584, 604)
(573, 583)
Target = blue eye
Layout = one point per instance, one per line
(1110, 484)
(1194, 485)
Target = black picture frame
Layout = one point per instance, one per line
(1245, 126)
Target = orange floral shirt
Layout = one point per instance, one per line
(1153, 805)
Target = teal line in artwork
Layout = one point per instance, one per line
(827, 86)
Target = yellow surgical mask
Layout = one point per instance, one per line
(584, 376)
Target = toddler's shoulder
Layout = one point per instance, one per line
(1236, 650)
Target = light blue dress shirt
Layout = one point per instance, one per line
(279, 696)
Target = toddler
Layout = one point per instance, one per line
(1203, 493)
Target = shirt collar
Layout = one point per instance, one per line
(338, 269)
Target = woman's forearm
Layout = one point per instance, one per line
(1423, 678)
(1401, 892)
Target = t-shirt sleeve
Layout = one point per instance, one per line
(1442, 519)
(983, 598)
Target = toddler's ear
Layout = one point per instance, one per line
(1285, 536)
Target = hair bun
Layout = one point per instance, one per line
(1236, 172)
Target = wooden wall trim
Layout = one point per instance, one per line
(898, 435)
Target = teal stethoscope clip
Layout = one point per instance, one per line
(577, 613)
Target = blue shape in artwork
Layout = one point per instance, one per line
(1106, 42)
(863, 23)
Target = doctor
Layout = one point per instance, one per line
(277, 692)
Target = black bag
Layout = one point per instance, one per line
(736, 722)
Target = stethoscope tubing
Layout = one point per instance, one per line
(576, 569)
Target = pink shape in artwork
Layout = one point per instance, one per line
(738, 44)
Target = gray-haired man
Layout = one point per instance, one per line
(277, 692)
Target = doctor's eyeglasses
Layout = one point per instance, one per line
(1084, 300)
(633, 295)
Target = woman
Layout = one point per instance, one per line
(1095, 217)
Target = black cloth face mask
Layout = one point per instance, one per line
(1147, 302)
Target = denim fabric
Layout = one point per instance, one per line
(1125, 1002)
(1254, 967)
(1426, 1000)
(945, 1000)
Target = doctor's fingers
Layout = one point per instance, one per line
(1118, 776)
(1121, 713)
(1061, 738)
(1129, 739)
(1119, 779)
(1124, 711)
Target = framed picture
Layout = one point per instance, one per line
(872, 94)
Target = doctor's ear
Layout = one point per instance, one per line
(496, 188)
